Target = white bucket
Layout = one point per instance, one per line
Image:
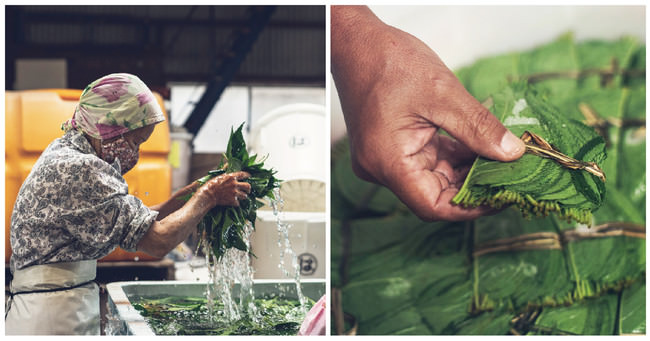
(294, 137)
(307, 238)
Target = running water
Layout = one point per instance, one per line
(234, 266)
(283, 238)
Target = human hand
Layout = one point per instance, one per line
(396, 95)
(225, 189)
(177, 223)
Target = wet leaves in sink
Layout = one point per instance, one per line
(189, 316)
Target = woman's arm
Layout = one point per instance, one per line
(166, 233)
(175, 202)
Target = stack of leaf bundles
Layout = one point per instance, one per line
(553, 176)
(617, 313)
(506, 274)
(223, 227)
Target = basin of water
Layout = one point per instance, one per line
(125, 319)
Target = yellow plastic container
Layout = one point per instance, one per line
(45, 110)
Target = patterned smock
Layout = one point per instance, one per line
(74, 206)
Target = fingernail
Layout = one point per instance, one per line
(511, 144)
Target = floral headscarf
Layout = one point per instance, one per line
(113, 105)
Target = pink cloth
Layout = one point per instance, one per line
(113, 105)
(314, 323)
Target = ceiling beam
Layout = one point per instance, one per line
(227, 68)
(54, 18)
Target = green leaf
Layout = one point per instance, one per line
(632, 314)
(216, 172)
(223, 226)
(177, 315)
(537, 185)
(360, 193)
(399, 275)
(591, 317)
(236, 149)
(507, 275)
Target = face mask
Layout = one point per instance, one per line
(120, 149)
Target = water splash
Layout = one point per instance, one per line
(188, 316)
(234, 266)
(285, 247)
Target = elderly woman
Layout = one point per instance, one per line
(74, 207)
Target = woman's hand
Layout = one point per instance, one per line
(166, 233)
(224, 190)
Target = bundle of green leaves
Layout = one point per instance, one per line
(223, 227)
(536, 184)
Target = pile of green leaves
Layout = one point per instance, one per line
(399, 275)
(223, 227)
(538, 185)
(190, 316)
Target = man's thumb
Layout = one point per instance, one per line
(484, 134)
(511, 146)
(478, 129)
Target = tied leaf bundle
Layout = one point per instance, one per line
(223, 227)
(563, 179)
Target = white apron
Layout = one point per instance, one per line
(51, 299)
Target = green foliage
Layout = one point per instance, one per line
(538, 185)
(505, 274)
(592, 317)
(632, 313)
(190, 316)
(223, 227)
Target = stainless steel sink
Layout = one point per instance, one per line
(124, 319)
